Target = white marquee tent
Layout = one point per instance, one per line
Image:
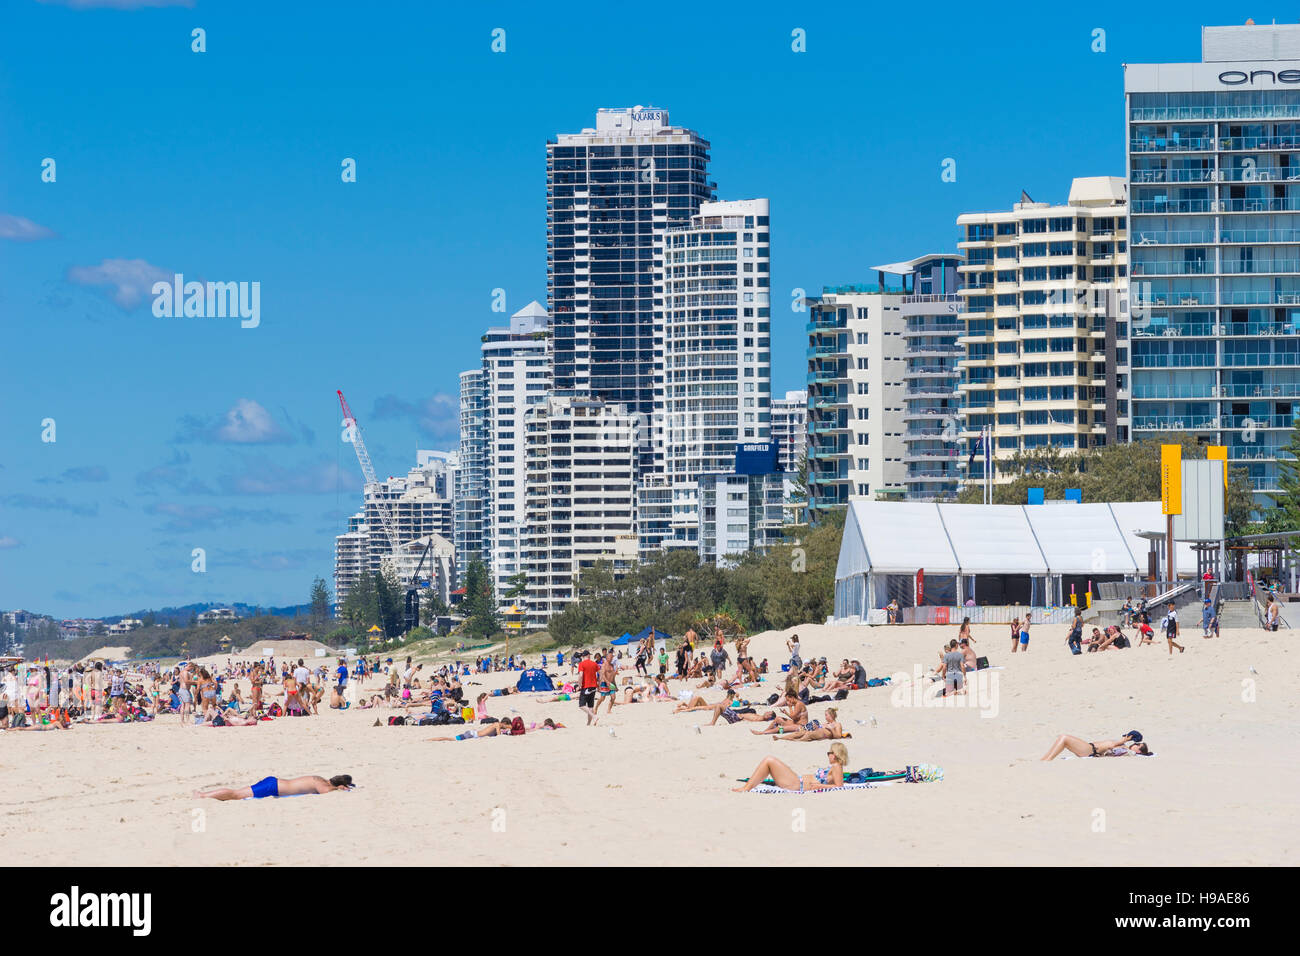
(1034, 552)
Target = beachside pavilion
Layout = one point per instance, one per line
(994, 555)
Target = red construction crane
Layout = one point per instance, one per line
(368, 471)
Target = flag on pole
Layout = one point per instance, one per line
(988, 451)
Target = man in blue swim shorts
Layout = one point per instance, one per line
(275, 787)
(1024, 635)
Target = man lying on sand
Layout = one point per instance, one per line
(275, 787)
(823, 778)
(1130, 743)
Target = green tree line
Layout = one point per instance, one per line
(793, 583)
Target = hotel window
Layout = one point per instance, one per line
(1034, 225)
(1006, 252)
(1033, 274)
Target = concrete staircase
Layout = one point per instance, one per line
(1239, 614)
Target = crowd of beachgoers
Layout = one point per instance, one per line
(716, 679)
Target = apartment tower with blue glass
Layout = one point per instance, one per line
(1214, 183)
(611, 194)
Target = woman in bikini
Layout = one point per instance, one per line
(832, 729)
(207, 693)
(1015, 635)
(1130, 744)
(823, 778)
(256, 679)
(499, 729)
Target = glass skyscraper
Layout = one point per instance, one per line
(611, 193)
(1214, 187)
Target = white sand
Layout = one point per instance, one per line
(1221, 791)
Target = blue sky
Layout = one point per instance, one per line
(174, 434)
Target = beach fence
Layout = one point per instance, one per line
(982, 614)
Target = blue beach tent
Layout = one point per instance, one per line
(534, 679)
(619, 641)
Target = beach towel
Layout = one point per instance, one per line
(1069, 756)
(768, 788)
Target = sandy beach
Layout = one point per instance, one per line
(1221, 790)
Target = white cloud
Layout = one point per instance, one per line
(131, 279)
(8, 542)
(22, 230)
(249, 423)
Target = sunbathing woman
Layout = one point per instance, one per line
(276, 787)
(1131, 743)
(823, 778)
(830, 730)
(697, 702)
(500, 729)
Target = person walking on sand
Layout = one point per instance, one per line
(588, 681)
(796, 661)
(1170, 625)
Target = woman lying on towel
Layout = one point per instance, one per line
(1131, 743)
(823, 778)
(832, 729)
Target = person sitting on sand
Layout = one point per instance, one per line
(338, 698)
(832, 729)
(830, 777)
(500, 729)
(794, 718)
(276, 787)
(843, 678)
(1130, 743)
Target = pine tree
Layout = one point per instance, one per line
(319, 614)
(479, 606)
(1285, 513)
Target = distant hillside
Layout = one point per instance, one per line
(180, 616)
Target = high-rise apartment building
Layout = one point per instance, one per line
(742, 509)
(580, 497)
(714, 380)
(471, 478)
(516, 376)
(1043, 288)
(419, 503)
(932, 324)
(612, 192)
(790, 428)
(856, 394)
(1214, 188)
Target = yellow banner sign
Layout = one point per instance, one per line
(1219, 453)
(1171, 479)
